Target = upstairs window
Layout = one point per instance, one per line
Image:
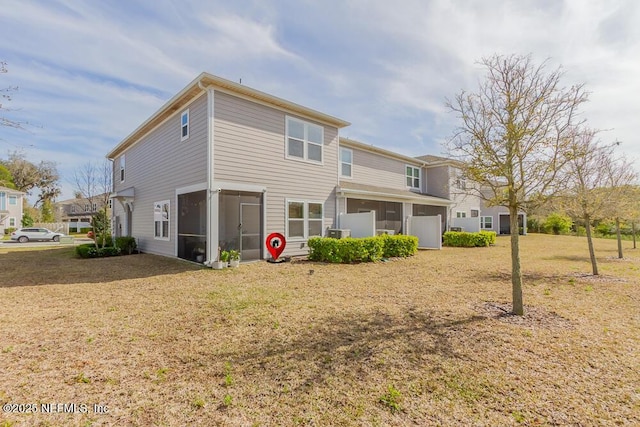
(94, 207)
(346, 162)
(475, 213)
(86, 207)
(184, 125)
(13, 200)
(413, 177)
(304, 140)
(122, 168)
(461, 214)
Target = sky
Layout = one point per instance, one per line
(89, 72)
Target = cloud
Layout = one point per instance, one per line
(91, 72)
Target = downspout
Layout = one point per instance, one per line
(210, 246)
(337, 213)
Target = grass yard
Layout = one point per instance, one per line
(420, 341)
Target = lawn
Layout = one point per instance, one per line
(418, 341)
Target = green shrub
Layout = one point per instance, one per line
(85, 230)
(127, 244)
(399, 245)
(469, 240)
(557, 224)
(9, 230)
(347, 250)
(89, 250)
(366, 249)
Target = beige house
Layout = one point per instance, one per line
(221, 166)
(79, 211)
(10, 208)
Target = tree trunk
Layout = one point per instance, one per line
(516, 273)
(633, 233)
(619, 238)
(592, 253)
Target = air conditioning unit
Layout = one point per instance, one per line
(338, 233)
(383, 231)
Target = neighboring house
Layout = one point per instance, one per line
(392, 185)
(468, 211)
(10, 208)
(221, 166)
(79, 211)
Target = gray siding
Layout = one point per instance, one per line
(249, 148)
(375, 169)
(156, 166)
(438, 181)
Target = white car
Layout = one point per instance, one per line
(25, 234)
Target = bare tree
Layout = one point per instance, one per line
(5, 96)
(512, 138)
(596, 186)
(92, 182)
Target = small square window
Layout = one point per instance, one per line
(413, 177)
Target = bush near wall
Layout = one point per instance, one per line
(127, 244)
(469, 240)
(89, 250)
(366, 249)
(399, 245)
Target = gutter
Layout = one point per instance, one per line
(210, 246)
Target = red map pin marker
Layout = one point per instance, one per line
(276, 244)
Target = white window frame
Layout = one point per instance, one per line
(86, 207)
(159, 208)
(461, 214)
(483, 224)
(412, 176)
(94, 207)
(305, 141)
(122, 168)
(305, 219)
(342, 163)
(12, 222)
(185, 125)
(73, 209)
(13, 200)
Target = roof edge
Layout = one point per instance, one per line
(191, 90)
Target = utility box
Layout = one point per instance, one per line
(381, 231)
(337, 233)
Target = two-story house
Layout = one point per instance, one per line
(469, 211)
(10, 208)
(222, 165)
(79, 210)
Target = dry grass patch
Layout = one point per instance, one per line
(419, 341)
